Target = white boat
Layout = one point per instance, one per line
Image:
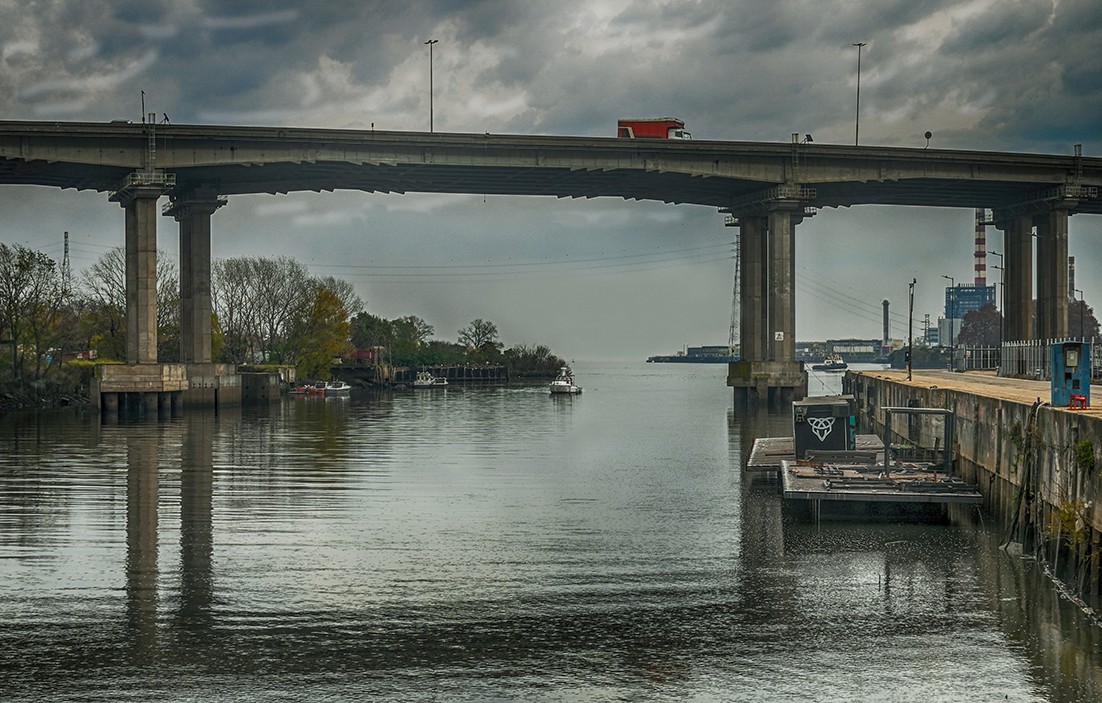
(831, 363)
(334, 388)
(564, 383)
(425, 379)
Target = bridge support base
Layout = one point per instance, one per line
(772, 384)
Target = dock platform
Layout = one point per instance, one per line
(872, 482)
(769, 453)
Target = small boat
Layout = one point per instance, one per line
(336, 388)
(425, 379)
(564, 383)
(309, 389)
(831, 363)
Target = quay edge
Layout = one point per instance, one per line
(1037, 466)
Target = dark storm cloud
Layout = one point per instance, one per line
(1010, 76)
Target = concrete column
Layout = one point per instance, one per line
(1052, 274)
(752, 287)
(1018, 283)
(194, 213)
(781, 302)
(141, 276)
(768, 372)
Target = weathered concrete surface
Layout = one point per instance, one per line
(212, 385)
(1037, 466)
(141, 378)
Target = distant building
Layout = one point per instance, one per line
(963, 298)
(960, 300)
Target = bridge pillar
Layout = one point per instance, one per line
(140, 205)
(767, 372)
(1052, 274)
(193, 213)
(1018, 284)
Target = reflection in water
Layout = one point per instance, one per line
(141, 539)
(489, 543)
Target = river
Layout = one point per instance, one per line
(491, 544)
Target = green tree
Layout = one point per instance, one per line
(1081, 320)
(321, 335)
(538, 360)
(31, 299)
(409, 335)
(981, 327)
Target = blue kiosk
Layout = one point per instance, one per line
(1071, 374)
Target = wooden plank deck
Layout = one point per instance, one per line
(768, 453)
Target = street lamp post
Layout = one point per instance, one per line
(952, 315)
(857, 119)
(430, 42)
(910, 322)
(1002, 292)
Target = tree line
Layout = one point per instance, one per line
(266, 311)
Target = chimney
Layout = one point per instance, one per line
(1071, 278)
(981, 248)
(887, 335)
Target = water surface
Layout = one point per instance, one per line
(491, 544)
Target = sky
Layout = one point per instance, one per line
(590, 278)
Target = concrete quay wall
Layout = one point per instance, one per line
(1038, 467)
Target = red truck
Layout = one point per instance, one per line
(652, 128)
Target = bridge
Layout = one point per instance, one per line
(766, 189)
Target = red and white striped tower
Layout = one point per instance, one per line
(981, 248)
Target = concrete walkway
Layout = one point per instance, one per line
(983, 383)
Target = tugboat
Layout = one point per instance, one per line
(564, 383)
(831, 363)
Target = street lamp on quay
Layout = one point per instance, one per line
(430, 42)
(1002, 296)
(952, 314)
(1002, 292)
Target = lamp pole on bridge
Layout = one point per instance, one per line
(430, 42)
(857, 119)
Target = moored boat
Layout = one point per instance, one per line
(336, 388)
(425, 379)
(564, 383)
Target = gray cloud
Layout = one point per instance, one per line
(1020, 76)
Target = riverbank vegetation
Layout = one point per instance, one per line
(270, 311)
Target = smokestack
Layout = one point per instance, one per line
(887, 334)
(1071, 278)
(981, 248)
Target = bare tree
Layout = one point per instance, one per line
(104, 287)
(258, 302)
(345, 293)
(479, 335)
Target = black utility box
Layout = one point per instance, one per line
(824, 423)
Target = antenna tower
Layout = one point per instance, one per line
(734, 342)
(66, 272)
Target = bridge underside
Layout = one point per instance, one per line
(768, 188)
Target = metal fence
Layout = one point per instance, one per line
(972, 358)
(1032, 358)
